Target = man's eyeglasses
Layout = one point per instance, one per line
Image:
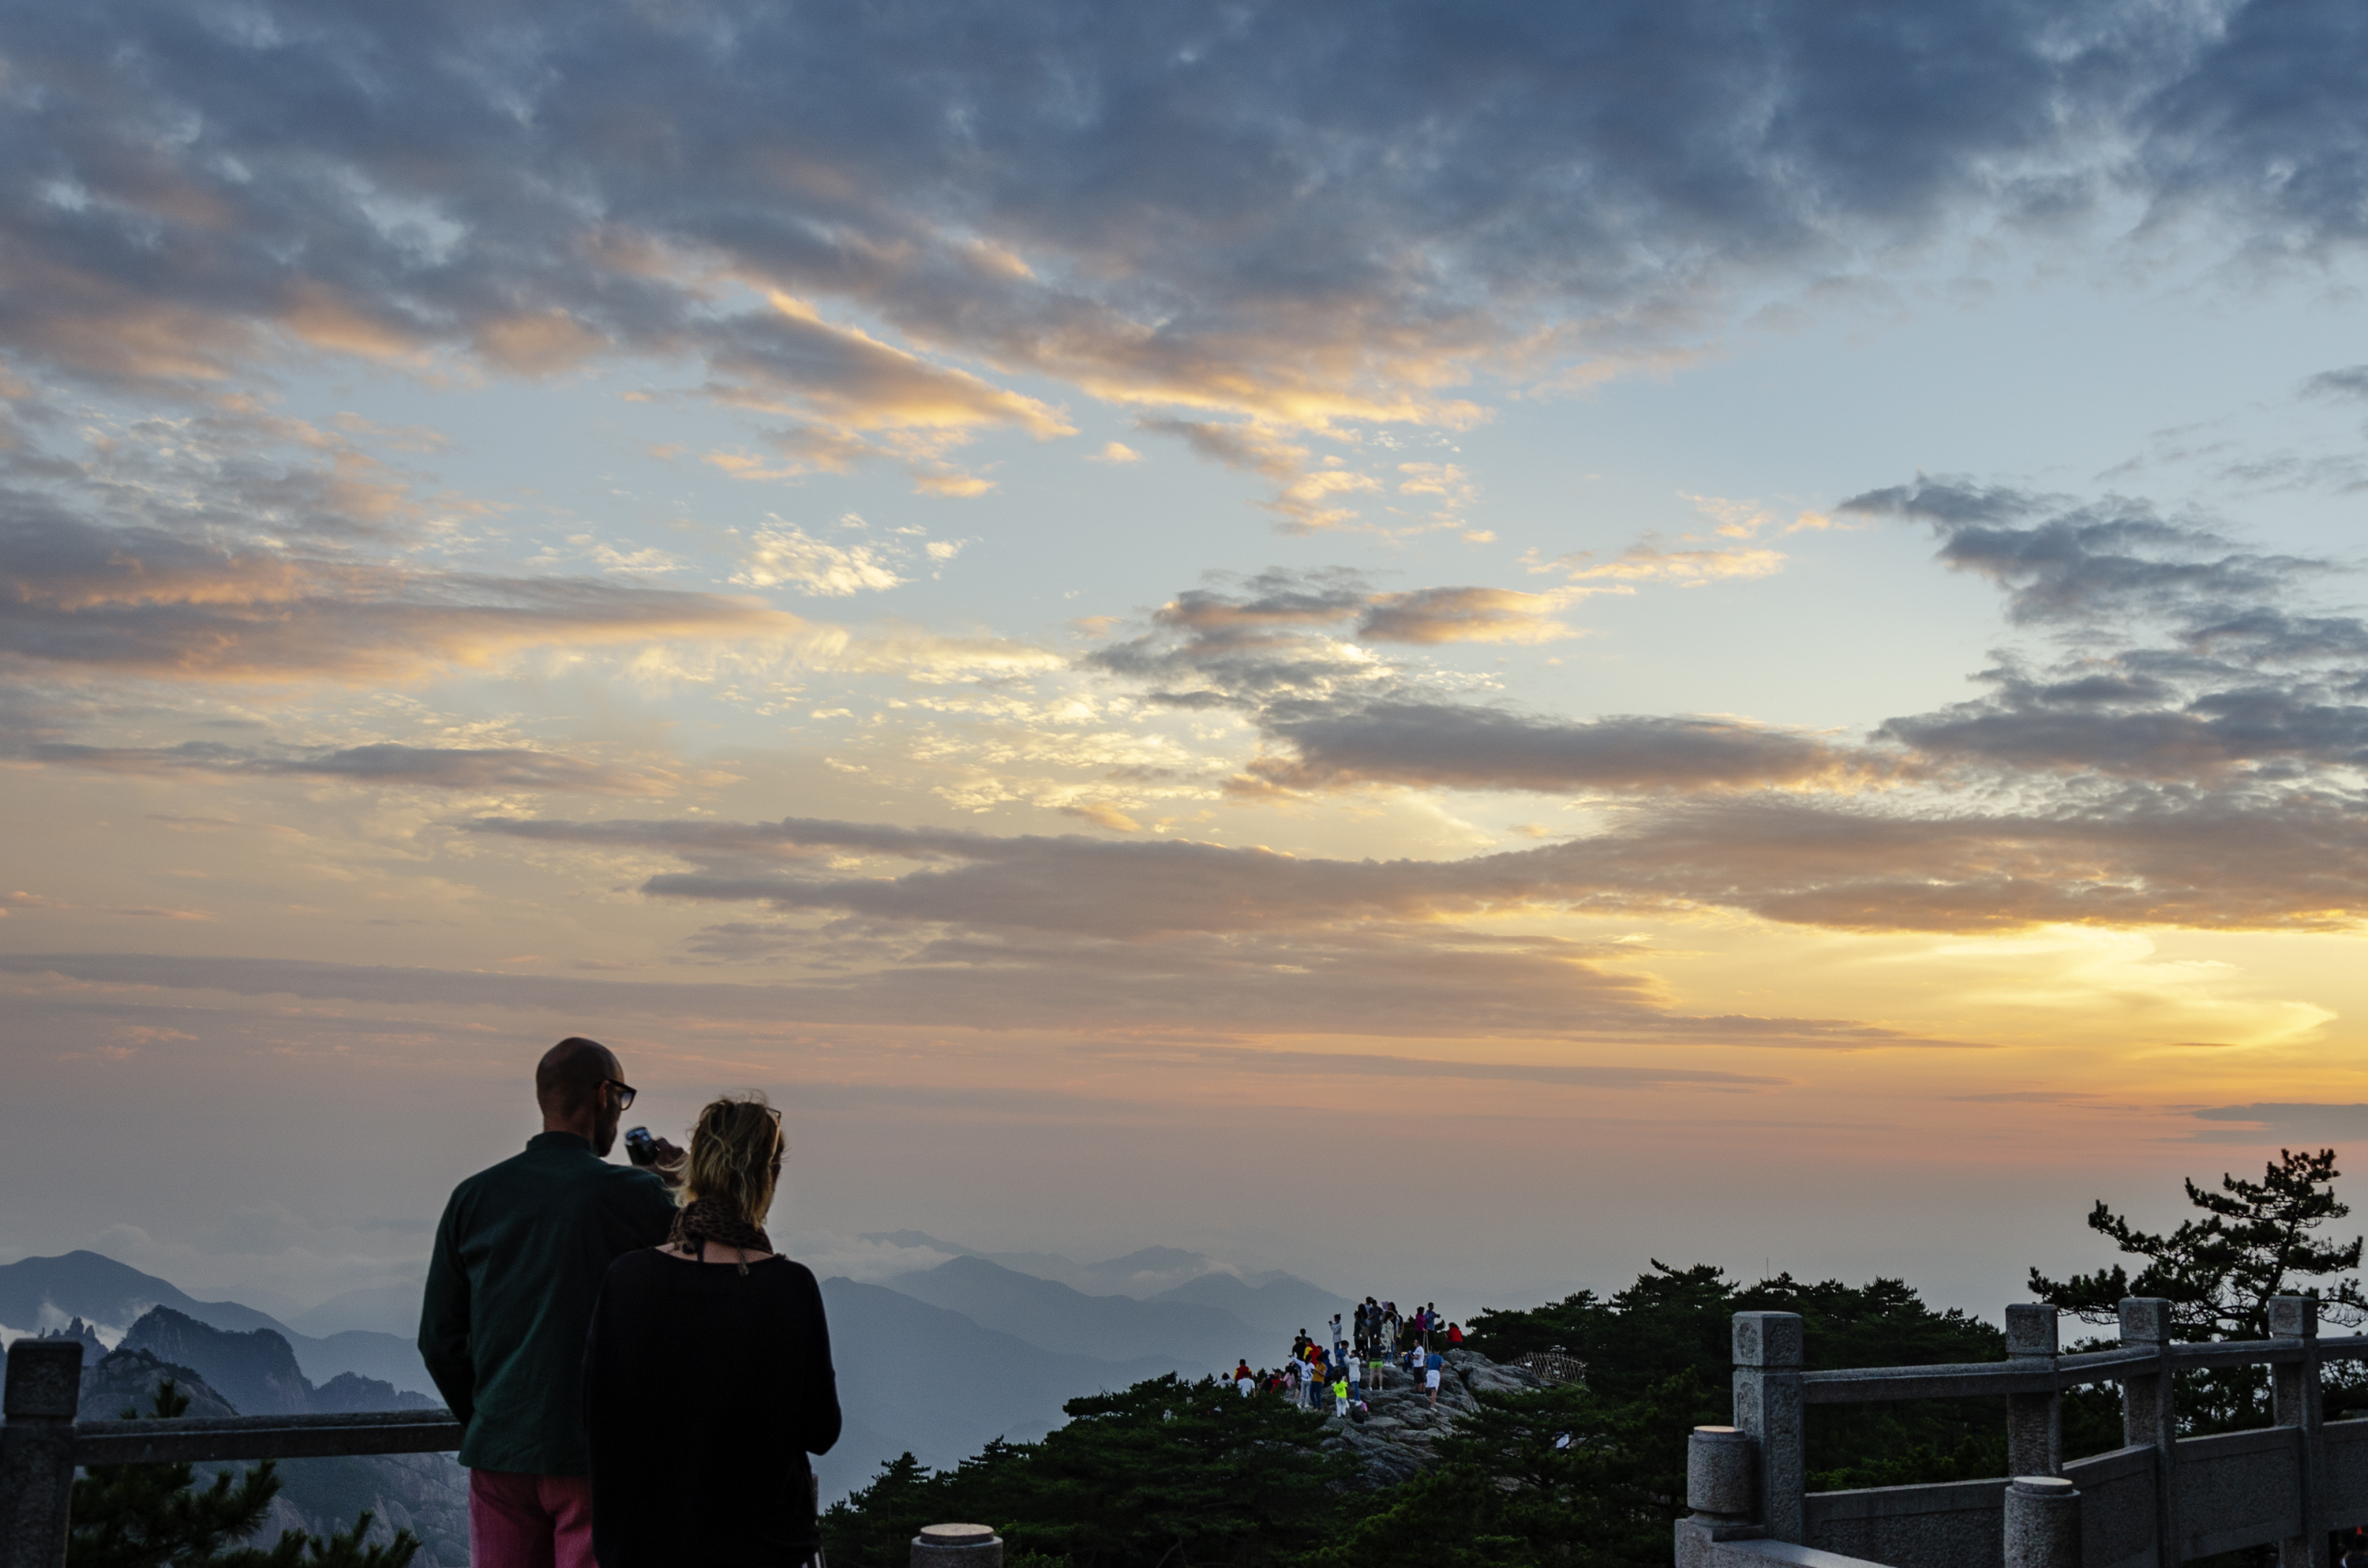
(625, 1092)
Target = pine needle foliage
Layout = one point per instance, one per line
(154, 1516)
(1171, 1470)
(2254, 1242)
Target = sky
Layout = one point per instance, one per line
(1449, 647)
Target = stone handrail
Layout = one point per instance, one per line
(42, 1443)
(2156, 1502)
(1970, 1379)
(190, 1439)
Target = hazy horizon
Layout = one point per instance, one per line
(1445, 648)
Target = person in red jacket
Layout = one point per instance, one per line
(1244, 1380)
(1454, 1335)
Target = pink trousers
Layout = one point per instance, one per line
(530, 1521)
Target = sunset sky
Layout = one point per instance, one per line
(1444, 646)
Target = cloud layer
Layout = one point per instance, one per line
(1288, 217)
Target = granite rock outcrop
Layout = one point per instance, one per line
(1394, 1442)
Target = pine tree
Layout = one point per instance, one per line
(153, 1515)
(2219, 1272)
(1168, 1472)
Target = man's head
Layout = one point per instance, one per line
(582, 1090)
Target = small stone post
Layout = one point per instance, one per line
(2296, 1399)
(37, 1452)
(2150, 1414)
(958, 1546)
(2034, 1422)
(1722, 1472)
(1767, 1408)
(2043, 1522)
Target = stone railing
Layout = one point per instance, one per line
(2156, 1502)
(42, 1443)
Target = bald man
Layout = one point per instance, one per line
(518, 1260)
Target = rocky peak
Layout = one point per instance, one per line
(1395, 1441)
(256, 1371)
(127, 1380)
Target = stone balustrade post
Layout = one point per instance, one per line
(957, 1546)
(1768, 1355)
(1722, 1484)
(2043, 1522)
(2034, 1422)
(37, 1416)
(2150, 1414)
(2297, 1400)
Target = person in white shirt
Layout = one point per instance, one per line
(1356, 1375)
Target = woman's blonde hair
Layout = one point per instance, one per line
(736, 1155)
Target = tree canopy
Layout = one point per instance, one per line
(154, 1516)
(1590, 1471)
(2254, 1240)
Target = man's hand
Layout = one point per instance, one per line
(670, 1164)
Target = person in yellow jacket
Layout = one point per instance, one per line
(1340, 1396)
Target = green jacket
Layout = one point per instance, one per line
(519, 1257)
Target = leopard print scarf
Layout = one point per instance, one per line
(705, 1219)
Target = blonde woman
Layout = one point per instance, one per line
(707, 1377)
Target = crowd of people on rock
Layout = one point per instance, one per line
(1363, 1348)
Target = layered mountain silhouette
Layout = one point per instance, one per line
(38, 1294)
(1053, 1317)
(257, 1370)
(916, 1377)
(1274, 1303)
(381, 1308)
(939, 1361)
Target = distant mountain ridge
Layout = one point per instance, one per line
(256, 1370)
(38, 1294)
(1186, 1335)
(381, 1309)
(106, 1293)
(1275, 1301)
(996, 1354)
(1282, 1305)
(911, 1376)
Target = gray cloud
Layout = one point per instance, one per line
(2122, 720)
(437, 767)
(2262, 857)
(1177, 930)
(2190, 658)
(2350, 382)
(80, 595)
(1330, 1065)
(1280, 647)
(2113, 559)
(2290, 1122)
(2258, 856)
(1301, 213)
(2188, 757)
(1458, 746)
(1384, 985)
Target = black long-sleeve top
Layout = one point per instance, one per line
(704, 1390)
